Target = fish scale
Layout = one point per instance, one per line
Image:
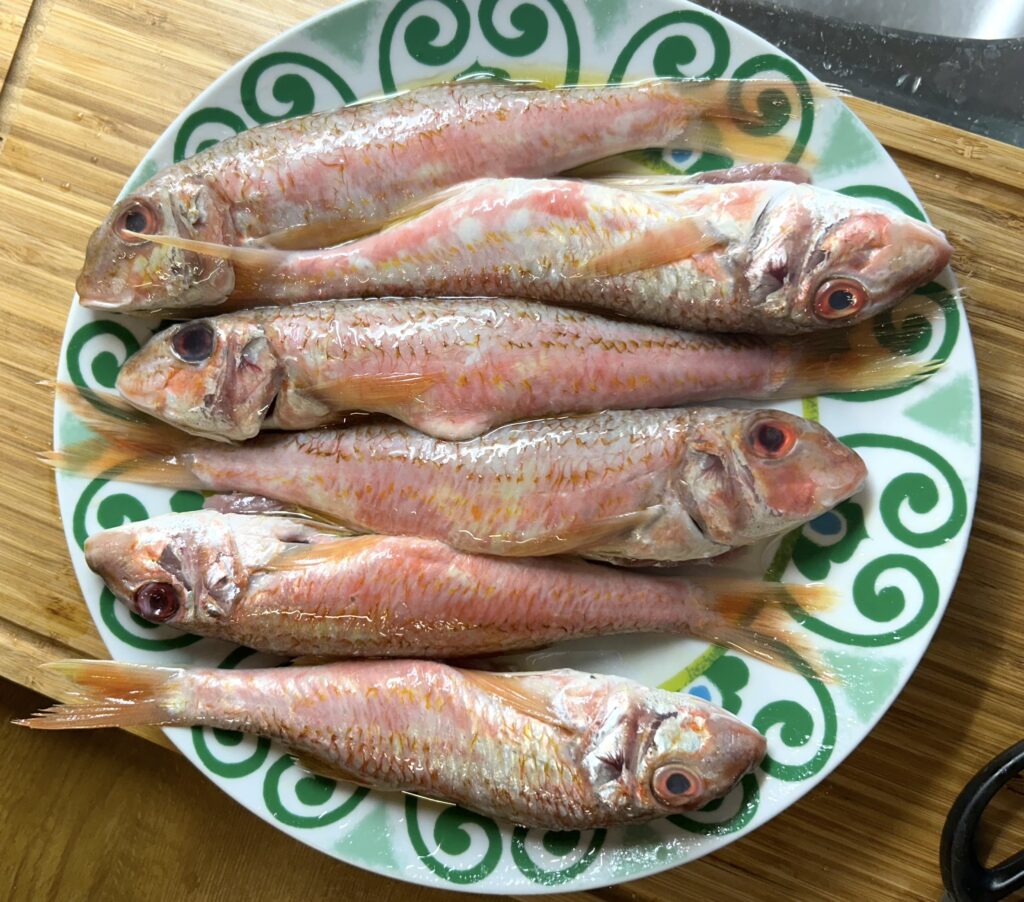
(288, 585)
(742, 256)
(530, 748)
(320, 179)
(642, 485)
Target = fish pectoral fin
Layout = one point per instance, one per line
(340, 230)
(317, 235)
(509, 689)
(372, 392)
(573, 538)
(656, 246)
(315, 554)
(327, 769)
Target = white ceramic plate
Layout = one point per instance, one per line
(893, 551)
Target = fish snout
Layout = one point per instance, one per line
(841, 475)
(735, 749)
(924, 252)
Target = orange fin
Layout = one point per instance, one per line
(316, 235)
(846, 360)
(132, 445)
(725, 137)
(332, 551)
(332, 232)
(656, 246)
(374, 392)
(114, 694)
(510, 689)
(328, 769)
(572, 539)
(732, 100)
(753, 617)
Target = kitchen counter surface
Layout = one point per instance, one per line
(89, 86)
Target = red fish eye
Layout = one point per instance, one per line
(193, 342)
(672, 785)
(839, 298)
(140, 218)
(157, 602)
(772, 439)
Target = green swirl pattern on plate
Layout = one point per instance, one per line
(892, 552)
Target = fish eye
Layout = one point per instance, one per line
(673, 785)
(839, 298)
(157, 602)
(193, 342)
(772, 439)
(140, 218)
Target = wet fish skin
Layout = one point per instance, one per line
(456, 368)
(766, 254)
(558, 750)
(655, 485)
(290, 586)
(316, 180)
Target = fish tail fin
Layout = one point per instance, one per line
(850, 361)
(753, 617)
(732, 112)
(751, 100)
(130, 445)
(726, 137)
(113, 694)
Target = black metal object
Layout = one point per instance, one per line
(972, 84)
(963, 875)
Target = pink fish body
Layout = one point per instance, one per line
(320, 179)
(291, 586)
(559, 750)
(756, 257)
(656, 485)
(455, 369)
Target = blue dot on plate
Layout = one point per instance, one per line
(681, 156)
(701, 692)
(828, 524)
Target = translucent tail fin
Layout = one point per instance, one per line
(850, 360)
(113, 695)
(131, 445)
(752, 617)
(733, 112)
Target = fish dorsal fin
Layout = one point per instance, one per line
(659, 245)
(510, 689)
(374, 391)
(327, 769)
(571, 539)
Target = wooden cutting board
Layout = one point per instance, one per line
(89, 86)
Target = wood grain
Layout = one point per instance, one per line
(93, 85)
(12, 21)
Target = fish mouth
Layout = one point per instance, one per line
(94, 303)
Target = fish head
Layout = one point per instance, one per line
(664, 753)
(217, 378)
(125, 271)
(754, 473)
(179, 569)
(820, 259)
(190, 570)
